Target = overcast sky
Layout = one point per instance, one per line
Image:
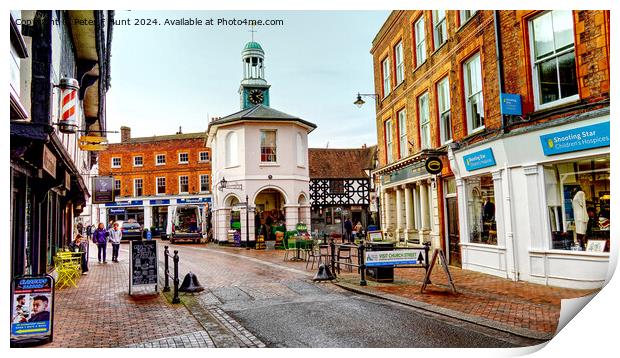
(164, 76)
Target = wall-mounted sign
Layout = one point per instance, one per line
(572, 140)
(511, 104)
(125, 203)
(433, 165)
(49, 162)
(103, 190)
(396, 257)
(32, 313)
(117, 211)
(159, 202)
(193, 200)
(67, 180)
(480, 159)
(412, 171)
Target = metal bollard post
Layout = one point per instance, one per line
(332, 248)
(362, 263)
(176, 299)
(427, 265)
(166, 270)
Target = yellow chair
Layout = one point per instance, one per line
(67, 266)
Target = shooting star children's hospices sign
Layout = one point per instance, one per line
(32, 313)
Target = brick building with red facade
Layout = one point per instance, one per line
(153, 173)
(516, 106)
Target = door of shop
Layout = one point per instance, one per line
(453, 232)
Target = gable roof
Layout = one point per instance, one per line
(260, 112)
(349, 163)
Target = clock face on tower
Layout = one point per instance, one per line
(256, 96)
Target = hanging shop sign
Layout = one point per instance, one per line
(143, 264)
(433, 165)
(49, 162)
(103, 190)
(32, 313)
(396, 257)
(511, 104)
(480, 159)
(93, 143)
(193, 200)
(572, 140)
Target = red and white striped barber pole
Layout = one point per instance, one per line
(68, 99)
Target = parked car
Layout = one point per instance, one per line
(131, 230)
(186, 223)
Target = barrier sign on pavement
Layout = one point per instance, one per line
(32, 310)
(396, 257)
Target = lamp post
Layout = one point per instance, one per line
(247, 223)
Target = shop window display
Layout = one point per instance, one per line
(578, 202)
(481, 210)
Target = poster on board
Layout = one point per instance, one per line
(32, 315)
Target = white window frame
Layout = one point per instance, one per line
(200, 182)
(157, 185)
(200, 160)
(186, 177)
(275, 149)
(112, 162)
(231, 150)
(389, 140)
(387, 81)
(425, 121)
(534, 63)
(135, 188)
(184, 162)
(119, 186)
(403, 148)
(439, 23)
(157, 157)
(463, 16)
(441, 110)
(141, 159)
(478, 96)
(301, 153)
(420, 42)
(400, 63)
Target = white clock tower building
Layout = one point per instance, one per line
(260, 155)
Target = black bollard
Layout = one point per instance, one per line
(166, 270)
(427, 265)
(362, 263)
(176, 299)
(332, 248)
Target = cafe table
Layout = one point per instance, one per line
(299, 244)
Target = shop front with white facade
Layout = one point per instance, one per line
(534, 205)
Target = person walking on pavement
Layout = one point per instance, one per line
(89, 232)
(116, 235)
(100, 237)
(348, 228)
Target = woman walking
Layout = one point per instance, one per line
(100, 237)
(116, 235)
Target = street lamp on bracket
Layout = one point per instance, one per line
(359, 102)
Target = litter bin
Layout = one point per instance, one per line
(380, 274)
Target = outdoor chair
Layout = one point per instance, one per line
(313, 252)
(344, 254)
(291, 245)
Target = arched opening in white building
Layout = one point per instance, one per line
(270, 213)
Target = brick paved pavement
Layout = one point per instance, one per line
(101, 313)
(522, 308)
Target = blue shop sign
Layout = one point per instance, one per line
(479, 160)
(117, 211)
(125, 203)
(511, 104)
(193, 200)
(572, 140)
(159, 202)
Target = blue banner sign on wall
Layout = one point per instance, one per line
(478, 160)
(125, 203)
(193, 200)
(572, 140)
(159, 202)
(117, 211)
(511, 104)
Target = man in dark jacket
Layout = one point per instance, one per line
(100, 237)
(348, 228)
(39, 309)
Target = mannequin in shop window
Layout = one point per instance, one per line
(580, 213)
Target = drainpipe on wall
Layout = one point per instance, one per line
(508, 224)
(500, 64)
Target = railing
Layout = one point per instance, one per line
(175, 278)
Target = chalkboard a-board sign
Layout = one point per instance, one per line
(143, 264)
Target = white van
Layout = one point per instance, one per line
(186, 223)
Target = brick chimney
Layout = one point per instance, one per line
(364, 146)
(125, 134)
